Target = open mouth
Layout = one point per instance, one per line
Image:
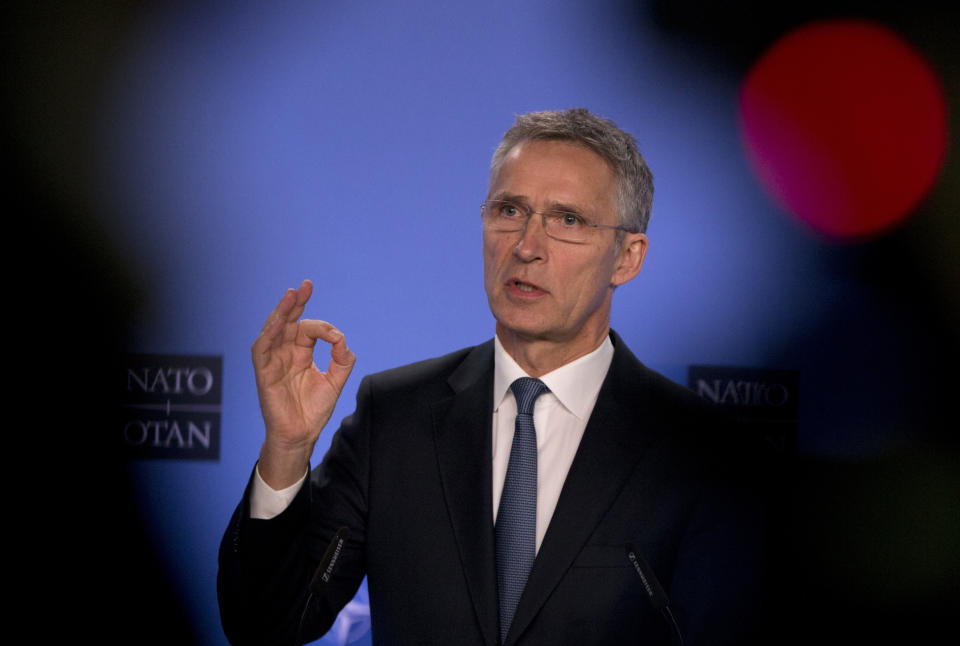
(527, 288)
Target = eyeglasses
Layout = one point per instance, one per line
(504, 216)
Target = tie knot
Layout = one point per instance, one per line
(526, 390)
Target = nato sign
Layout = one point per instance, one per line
(171, 406)
(764, 401)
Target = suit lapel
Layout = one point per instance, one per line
(612, 445)
(462, 426)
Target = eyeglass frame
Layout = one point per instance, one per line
(544, 214)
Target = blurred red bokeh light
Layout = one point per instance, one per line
(845, 125)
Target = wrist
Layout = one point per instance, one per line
(281, 467)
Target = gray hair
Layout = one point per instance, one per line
(579, 127)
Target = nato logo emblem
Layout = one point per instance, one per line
(763, 401)
(171, 406)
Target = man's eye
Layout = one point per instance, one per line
(570, 220)
(509, 210)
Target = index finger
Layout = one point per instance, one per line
(309, 330)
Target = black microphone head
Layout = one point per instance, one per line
(329, 561)
(650, 583)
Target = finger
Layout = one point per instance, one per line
(302, 295)
(271, 336)
(342, 358)
(342, 361)
(265, 343)
(291, 305)
(308, 331)
(288, 300)
(304, 291)
(289, 309)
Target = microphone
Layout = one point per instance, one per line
(329, 561)
(324, 571)
(654, 591)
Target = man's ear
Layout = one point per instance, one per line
(633, 250)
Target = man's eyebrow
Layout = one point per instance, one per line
(510, 197)
(553, 206)
(568, 208)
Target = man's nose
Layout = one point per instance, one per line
(533, 239)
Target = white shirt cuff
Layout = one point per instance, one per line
(267, 502)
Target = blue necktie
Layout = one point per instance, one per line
(516, 530)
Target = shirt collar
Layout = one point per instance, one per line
(574, 384)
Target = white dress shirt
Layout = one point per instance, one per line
(560, 417)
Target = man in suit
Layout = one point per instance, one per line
(490, 494)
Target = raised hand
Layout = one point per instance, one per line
(296, 398)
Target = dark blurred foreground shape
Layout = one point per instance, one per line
(84, 561)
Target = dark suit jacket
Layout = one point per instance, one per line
(410, 474)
